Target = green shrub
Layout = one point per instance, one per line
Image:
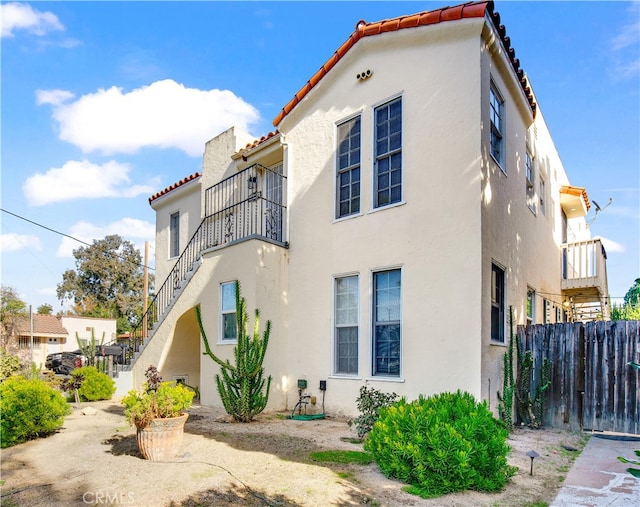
(95, 385)
(441, 444)
(30, 409)
(369, 403)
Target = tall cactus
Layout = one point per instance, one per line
(241, 385)
(505, 407)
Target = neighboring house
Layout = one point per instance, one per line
(410, 196)
(58, 334)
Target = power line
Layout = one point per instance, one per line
(56, 232)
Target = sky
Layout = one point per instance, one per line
(104, 104)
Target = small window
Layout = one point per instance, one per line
(496, 115)
(542, 197)
(174, 234)
(348, 168)
(530, 182)
(497, 304)
(388, 153)
(346, 322)
(228, 311)
(386, 323)
(531, 306)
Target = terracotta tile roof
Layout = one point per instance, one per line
(43, 325)
(364, 29)
(174, 186)
(577, 192)
(258, 142)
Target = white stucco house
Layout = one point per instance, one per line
(385, 227)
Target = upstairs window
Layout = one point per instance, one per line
(530, 182)
(496, 115)
(174, 234)
(542, 197)
(388, 153)
(228, 323)
(348, 168)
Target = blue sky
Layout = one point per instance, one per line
(106, 103)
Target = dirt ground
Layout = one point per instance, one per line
(93, 460)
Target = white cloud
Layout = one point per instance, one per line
(53, 97)
(14, 242)
(626, 60)
(164, 114)
(19, 16)
(612, 246)
(131, 229)
(82, 180)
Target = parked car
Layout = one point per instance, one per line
(64, 363)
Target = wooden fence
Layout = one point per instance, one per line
(592, 385)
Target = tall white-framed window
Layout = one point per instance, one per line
(542, 196)
(228, 325)
(388, 153)
(531, 306)
(174, 234)
(530, 177)
(348, 168)
(496, 115)
(497, 304)
(387, 287)
(346, 325)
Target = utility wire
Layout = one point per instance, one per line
(57, 232)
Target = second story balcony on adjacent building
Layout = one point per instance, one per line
(249, 204)
(584, 278)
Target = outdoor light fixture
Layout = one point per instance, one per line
(532, 454)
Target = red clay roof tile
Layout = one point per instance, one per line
(364, 29)
(174, 186)
(42, 325)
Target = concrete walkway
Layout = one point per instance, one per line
(598, 478)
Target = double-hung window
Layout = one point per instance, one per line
(174, 234)
(496, 115)
(388, 153)
(497, 304)
(348, 168)
(346, 325)
(530, 182)
(229, 328)
(386, 323)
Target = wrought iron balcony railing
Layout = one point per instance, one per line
(247, 205)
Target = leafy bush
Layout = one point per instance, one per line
(30, 409)
(9, 365)
(95, 386)
(369, 403)
(441, 444)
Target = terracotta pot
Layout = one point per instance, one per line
(161, 439)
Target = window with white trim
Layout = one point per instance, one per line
(386, 323)
(348, 168)
(531, 306)
(346, 325)
(530, 174)
(496, 115)
(542, 196)
(497, 304)
(388, 153)
(228, 325)
(174, 234)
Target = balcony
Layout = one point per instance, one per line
(584, 279)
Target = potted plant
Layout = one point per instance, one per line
(158, 413)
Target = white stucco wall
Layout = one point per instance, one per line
(82, 326)
(433, 235)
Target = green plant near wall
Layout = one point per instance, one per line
(242, 387)
(90, 349)
(517, 384)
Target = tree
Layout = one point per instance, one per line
(630, 309)
(242, 386)
(107, 282)
(45, 309)
(12, 310)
